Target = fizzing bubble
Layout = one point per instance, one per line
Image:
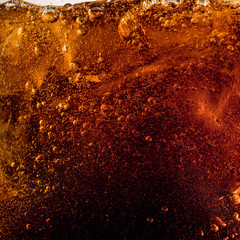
(50, 14)
(12, 5)
(95, 11)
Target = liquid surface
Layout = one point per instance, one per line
(120, 120)
(53, 2)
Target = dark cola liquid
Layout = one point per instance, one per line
(120, 120)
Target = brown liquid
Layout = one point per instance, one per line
(119, 120)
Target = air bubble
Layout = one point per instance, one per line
(41, 129)
(38, 51)
(148, 139)
(74, 66)
(75, 122)
(65, 48)
(95, 11)
(33, 17)
(214, 228)
(85, 125)
(24, 5)
(236, 216)
(201, 233)
(203, 2)
(50, 15)
(230, 48)
(100, 59)
(28, 226)
(11, 5)
(106, 109)
(13, 165)
(82, 31)
(164, 209)
(150, 220)
(194, 20)
(67, 7)
(81, 20)
(59, 106)
(28, 86)
(19, 31)
(169, 23)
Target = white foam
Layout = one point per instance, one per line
(52, 2)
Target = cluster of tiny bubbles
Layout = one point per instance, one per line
(149, 3)
(24, 5)
(169, 2)
(95, 10)
(231, 3)
(11, 5)
(50, 14)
